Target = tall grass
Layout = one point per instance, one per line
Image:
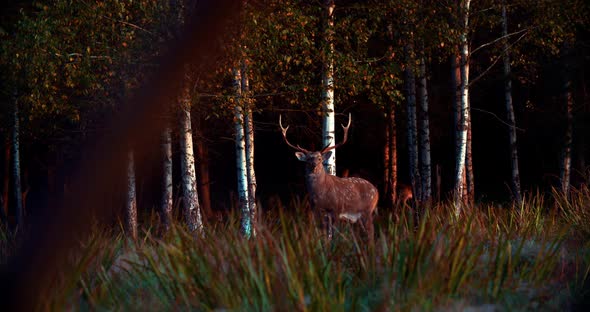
(518, 258)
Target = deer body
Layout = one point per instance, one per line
(350, 199)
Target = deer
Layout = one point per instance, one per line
(334, 198)
(404, 194)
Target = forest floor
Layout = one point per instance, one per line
(532, 257)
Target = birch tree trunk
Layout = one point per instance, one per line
(464, 111)
(515, 183)
(166, 204)
(16, 179)
(328, 124)
(191, 209)
(249, 140)
(425, 163)
(412, 124)
(566, 162)
(131, 207)
(241, 161)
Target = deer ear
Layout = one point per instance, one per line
(301, 156)
(327, 155)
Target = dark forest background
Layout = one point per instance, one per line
(63, 108)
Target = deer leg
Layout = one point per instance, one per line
(369, 226)
(328, 225)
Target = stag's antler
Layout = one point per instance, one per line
(329, 148)
(284, 131)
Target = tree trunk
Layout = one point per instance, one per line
(469, 196)
(464, 111)
(328, 124)
(241, 161)
(191, 209)
(249, 133)
(425, 163)
(412, 124)
(166, 204)
(18, 203)
(393, 155)
(131, 207)
(566, 162)
(386, 158)
(515, 182)
(6, 179)
(204, 181)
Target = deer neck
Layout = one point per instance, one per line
(316, 177)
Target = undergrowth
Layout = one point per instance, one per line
(528, 257)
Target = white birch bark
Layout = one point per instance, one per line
(166, 205)
(249, 140)
(515, 183)
(131, 207)
(425, 163)
(191, 209)
(17, 189)
(241, 161)
(464, 113)
(328, 123)
(412, 125)
(566, 163)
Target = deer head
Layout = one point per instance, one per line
(404, 194)
(350, 199)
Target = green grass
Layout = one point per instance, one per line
(532, 257)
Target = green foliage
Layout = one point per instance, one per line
(67, 58)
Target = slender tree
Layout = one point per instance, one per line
(249, 140)
(425, 162)
(515, 182)
(241, 159)
(566, 160)
(131, 206)
(412, 123)
(328, 124)
(464, 109)
(191, 208)
(16, 165)
(166, 204)
(390, 154)
(202, 150)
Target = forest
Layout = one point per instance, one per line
(181, 154)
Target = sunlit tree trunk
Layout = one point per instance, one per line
(392, 163)
(425, 164)
(16, 179)
(464, 110)
(412, 125)
(390, 156)
(515, 183)
(166, 204)
(328, 124)
(241, 161)
(191, 209)
(131, 207)
(249, 140)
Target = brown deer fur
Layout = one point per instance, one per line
(334, 198)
